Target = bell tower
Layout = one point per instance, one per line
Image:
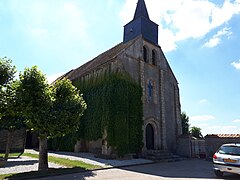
(141, 25)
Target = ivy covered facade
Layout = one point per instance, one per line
(131, 93)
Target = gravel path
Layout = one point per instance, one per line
(26, 164)
(23, 164)
(90, 159)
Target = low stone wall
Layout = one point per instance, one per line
(189, 146)
(198, 148)
(184, 145)
(18, 141)
(88, 146)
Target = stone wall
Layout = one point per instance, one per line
(162, 110)
(18, 142)
(184, 146)
(214, 141)
(161, 104)
(198, 148)
(189, 146)
(88, 146)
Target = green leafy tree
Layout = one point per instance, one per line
(36, 102)
(7, 71)
(185, 123)
(11, 117)
(10, 114)
(51, 111)
(196, 132)
(67, 108)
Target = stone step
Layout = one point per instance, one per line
(159, 153)
(162, 156)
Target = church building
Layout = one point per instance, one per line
(141, 57)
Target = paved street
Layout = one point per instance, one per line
(188, 169)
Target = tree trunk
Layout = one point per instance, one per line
(43, 153)
(8, 145)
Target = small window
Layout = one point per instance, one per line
(145, 54)
(153, 57)
(150, 90)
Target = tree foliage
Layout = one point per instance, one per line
(67, 108)
(51, 111)
(196, 132)
(11, 118)
(185, 123)
(36, 99)
(7, 71)
(11, 114)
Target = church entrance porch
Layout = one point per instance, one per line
(149, 137)
(152, 135)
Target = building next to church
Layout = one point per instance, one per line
(141, 57)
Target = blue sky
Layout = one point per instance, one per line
(200, 38)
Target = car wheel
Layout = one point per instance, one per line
(218, 173)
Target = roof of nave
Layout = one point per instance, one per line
(101, 59)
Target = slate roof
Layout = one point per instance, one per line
(102, 59)
(64, 75)
(141, 10)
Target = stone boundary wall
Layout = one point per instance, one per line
(191, 147)
(18, 141)
(213, 142)
(184, 145)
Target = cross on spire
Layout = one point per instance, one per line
(141, 10)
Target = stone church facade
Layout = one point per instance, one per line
(141, 57)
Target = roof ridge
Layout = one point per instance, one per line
(104, 57)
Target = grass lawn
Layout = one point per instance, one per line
(10, 155)
(72, 166)
(3, 176)
(66, 162)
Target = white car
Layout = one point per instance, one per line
(227, 159)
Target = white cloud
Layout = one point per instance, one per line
(168, 38)
(236, 121)
(236, 65)
(183, 19)
(202, 101)
(217, 129)
(212, 42)
(221, 130)
(216, 39)
(202, 118)
(53, 77)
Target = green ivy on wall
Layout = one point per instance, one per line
(113, 105)
(65, 143)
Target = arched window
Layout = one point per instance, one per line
(153, 57)
(145, 54)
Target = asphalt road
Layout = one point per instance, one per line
(188, 169)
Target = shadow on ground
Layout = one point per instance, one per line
(20, 163)
(187, 169)
(50, 173)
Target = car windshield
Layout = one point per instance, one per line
(232, 150)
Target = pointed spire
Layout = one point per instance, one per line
(141, 25)
(141, 10)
